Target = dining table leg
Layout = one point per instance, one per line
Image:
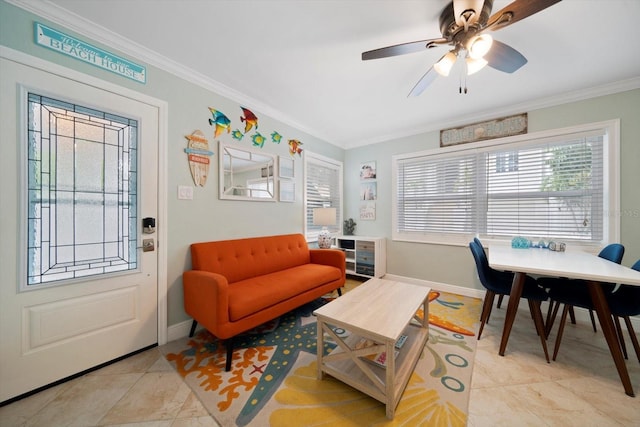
(512, 309)
(606, 323)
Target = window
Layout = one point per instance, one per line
(82, 191)
(552, 185)
(323, 189)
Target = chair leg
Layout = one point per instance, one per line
(593, 321)
(229, 344)
(193, 328)
(536, 312)
(563, 320)
(616, 322)
(632, 333)
(551, 316)
(489, 296)
(500, 300)
(572, 315)
(339, 292)
(491, 307)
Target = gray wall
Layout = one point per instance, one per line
(208, 218)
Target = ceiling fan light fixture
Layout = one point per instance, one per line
(475, 65)
(444, 65)
(480, 45)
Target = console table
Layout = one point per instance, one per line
(365, 256)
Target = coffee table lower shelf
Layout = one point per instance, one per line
(385, 384)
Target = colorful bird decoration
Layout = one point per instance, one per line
(294, 147)
(258, 140)
(220, 121)
(236, 134)
(276, 137)
(249, 118)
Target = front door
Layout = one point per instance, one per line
(79, 169)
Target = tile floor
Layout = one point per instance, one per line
(581, 388)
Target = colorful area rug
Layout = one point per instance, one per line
(273, 379)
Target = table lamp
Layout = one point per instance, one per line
(324, 217)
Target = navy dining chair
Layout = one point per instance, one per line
(575, 293)
(499, 283)
(625, 302)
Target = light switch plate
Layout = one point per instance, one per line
(185, 192)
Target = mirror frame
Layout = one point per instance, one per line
(269, 164)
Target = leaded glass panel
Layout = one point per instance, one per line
(82, 191)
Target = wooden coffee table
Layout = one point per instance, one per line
(375, 315)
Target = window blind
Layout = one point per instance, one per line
(554, 191)
(437, 194)
(323, 190)
(550, 189)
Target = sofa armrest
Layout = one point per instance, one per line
(333, 257)
(206, 298)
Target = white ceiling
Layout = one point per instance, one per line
(299, 61)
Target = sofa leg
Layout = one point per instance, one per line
(193, 328)
(339, 292)
(229, 344)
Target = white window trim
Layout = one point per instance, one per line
(318, 158)
(611, 181)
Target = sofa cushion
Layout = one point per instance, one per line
(246, 258)
(253, 295)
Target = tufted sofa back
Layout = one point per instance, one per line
(245, 258)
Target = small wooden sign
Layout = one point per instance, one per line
(198, 155)
(497, 128)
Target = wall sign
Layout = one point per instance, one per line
(70, 46)
(498, 128)
(198, 155)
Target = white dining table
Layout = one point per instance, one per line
(570, 264)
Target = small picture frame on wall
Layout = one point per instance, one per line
(287, 169)
(368, 211)
(287, 190)
(368, 191)
(368, 171)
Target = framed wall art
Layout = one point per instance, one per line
(287, 169)
(368, 191)
(287, 190)
(368, 171)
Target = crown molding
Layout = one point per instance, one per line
(82, 26)
(103, 35)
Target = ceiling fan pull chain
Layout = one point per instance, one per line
(464, 73)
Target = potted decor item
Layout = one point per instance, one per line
(349, 227)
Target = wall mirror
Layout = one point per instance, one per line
(246, 174)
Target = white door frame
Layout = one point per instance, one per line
(163, 114)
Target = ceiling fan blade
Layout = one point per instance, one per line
(401, 49)
(504, 58)
(424, 82)
(519, 10)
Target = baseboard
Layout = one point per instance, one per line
(179, 330)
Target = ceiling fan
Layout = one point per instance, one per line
(464, 25)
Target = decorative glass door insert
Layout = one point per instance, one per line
(82, 191)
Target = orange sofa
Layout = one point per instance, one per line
(236, 285)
